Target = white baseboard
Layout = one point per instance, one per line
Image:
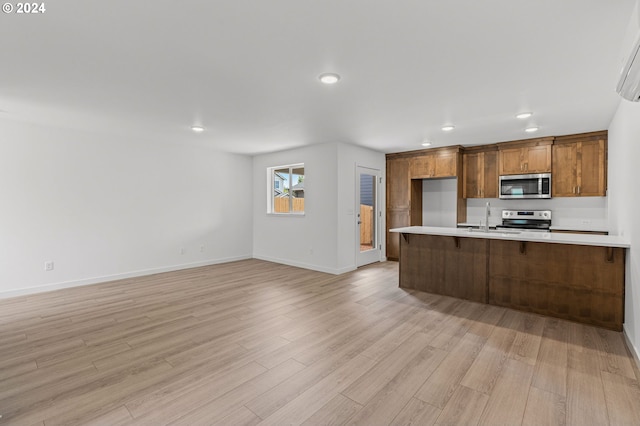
(106, 278)
(139, 273)
(634, 351)
(334, 271)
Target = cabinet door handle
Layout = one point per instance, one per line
(578, 189)
(574, 189)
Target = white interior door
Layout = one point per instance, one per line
(368, 216)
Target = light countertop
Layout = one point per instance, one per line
(536, 237)
(579, 228)
(564, 227)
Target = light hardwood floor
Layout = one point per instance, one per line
(253, 342)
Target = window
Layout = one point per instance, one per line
(286, 189)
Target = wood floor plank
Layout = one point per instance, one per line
(387, 403)
(118, 417)
(508, 398)
(585, 399)
(241, 416)
(528, 337)
(160, 405)
(487, 321)
(417, 412)
(17, 369)
(345, 351)
(551, 366)
(381, 374)
(314, 398)
(622, 396)
(335, 412)
(43, 383)
(487, 366)
(217, 410)
(544, 408)
(444, 381)
(253, 341)
(611, 352)
(464, 408)
(94, 398)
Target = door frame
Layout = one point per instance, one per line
(374, 255)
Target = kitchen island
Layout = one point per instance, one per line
(570, 276)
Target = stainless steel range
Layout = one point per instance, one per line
(531, 220)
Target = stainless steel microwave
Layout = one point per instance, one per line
(525, 186)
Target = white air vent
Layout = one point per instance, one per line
(629, 83)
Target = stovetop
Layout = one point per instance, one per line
(526, 219)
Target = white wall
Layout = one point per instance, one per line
(624, 205)
(105, 207)
(439, 202)
(324, 238)
(588, 212)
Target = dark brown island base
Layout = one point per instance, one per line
(573, 277)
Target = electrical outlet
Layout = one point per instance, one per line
(48, 266)
(182, 250)
(202, 248)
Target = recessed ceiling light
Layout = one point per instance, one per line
(448, 128)
(197, 129)
(329, 78)
(531, 129)
(426, 143)
(524, 115)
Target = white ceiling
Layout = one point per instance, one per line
(248, 69)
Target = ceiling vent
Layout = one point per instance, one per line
(629, 83)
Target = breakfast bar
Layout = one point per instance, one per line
(571, 276)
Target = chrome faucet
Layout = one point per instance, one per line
(487, 213)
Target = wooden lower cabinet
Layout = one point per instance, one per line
(452, 266)
(573, 282)
(397, 218)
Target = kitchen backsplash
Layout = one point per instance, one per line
(587, 212)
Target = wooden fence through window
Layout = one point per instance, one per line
(366, 225)
(281, 205)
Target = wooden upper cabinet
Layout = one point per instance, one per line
(511, 161)
(490, 175)
(434, 165)
(422, 166)
(592, 175)
(526, 157)
(480, 174)
(472, 166)
(537, 159)
(398, 183)
(445, 164)
(564, 174)
(579, 165)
